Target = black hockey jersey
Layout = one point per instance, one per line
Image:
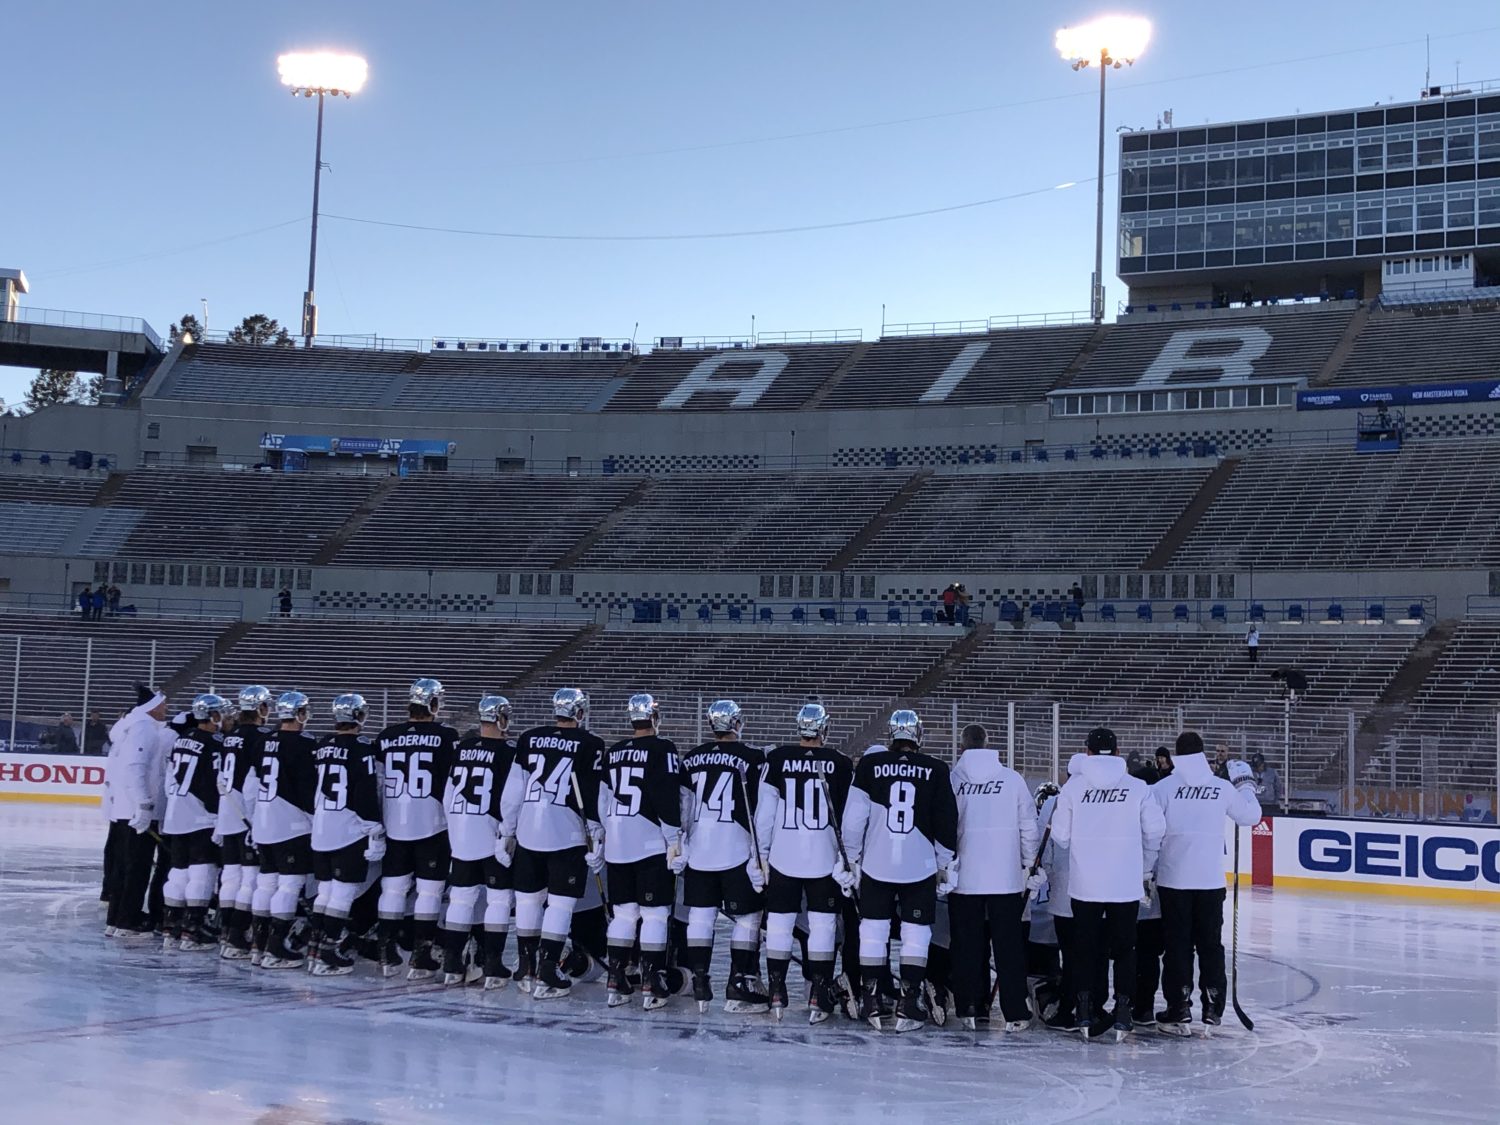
(415, 757)
(640, 798)
(722, 780)
(549, 757)
(480, 793)
(240, 749)
(287, 783)
(348, 797)
(192, 783)
(794, 822)
(901, 822)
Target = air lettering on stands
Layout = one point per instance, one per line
(1176, 357)
(956, 372)
(768, 365)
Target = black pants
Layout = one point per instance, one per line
(1192, 921)
(1104, 932)
(968, 917)
(114, 859)
(134, 857)
(1148, 950)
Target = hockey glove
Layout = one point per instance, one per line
(505, 850)
(216, 840)
(141, 820)
(1035, 883)
(846, 875)
(1148, 889)
(757, 872)
(223, 785)
(1240, 772)
(375, 843)
(677, 858)
(947, 879)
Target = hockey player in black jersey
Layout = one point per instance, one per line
(348, 840)
(641, 810)
(241, 749)
(802, 797)
(481, 791)
(558, 838)
(285, 794)
(900, 832)
(414, 757)
(191, 819)
(723, 864)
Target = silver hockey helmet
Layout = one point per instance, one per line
(1045, 790)
(292, 707)
(494, 709)
(255, 697)
(571, 703)
(724, 717)
(642, 708)
(211, 706)
(905, 727)
(812, 721)
(350, 709)
(427, 693)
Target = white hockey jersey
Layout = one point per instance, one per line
(722, 783)
(901, 822)
(240, 752)
(414, 759)
(286, 786)
(559, 768)
(481, 796)
(349, 785)
(1113, 828)
(192, 783)
(803, 793)
(640, 801)
(997, 833)
(1194, 803)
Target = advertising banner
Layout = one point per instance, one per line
(1351, 398)
(67, 779)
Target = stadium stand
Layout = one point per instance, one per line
(1056, 519)
(1429, 504)
(273, 376)
(1014, 366)
(56, 491)
(808, 366)
(508, 381)
(1400, 346)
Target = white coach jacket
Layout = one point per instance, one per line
(136, 770)
(997, 833)
(1195, 802)
(1112, 827)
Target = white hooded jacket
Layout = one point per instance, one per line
(1194, 803)
(1056, 858)
(1113, 829)
(136, 771)
(997, 833)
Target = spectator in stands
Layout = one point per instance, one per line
(1076, 593)
(1252, 643)
(1248, 297)
(97, 603)
(95, 735)
(1267, 784)
(284, 602)
(67, 738)
(114, 601)
(953, 597)
(1163, 761)
(1221, 761)
(85, 602)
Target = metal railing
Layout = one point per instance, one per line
(812, 612)
(564, 609)
(13, 459)
(988, 324)
(1405, 610)
(68, 318)
(62, 605)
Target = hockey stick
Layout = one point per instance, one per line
(1036, 865)
(838, 836)
(1234, 941)
(609, 911)
(750, 819)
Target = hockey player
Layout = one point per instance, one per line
(558, 839)
(241, 749)
(480, 793)
(900, 833)
(286, 784)
(641, 810)
(415, 756)
(997, 842)
(802, 797)
(721, 860)
(347, 835)
(1112, 827)
(1190, 876)
(191, 817)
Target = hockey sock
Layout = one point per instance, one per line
(622, 927)
(341, 898)
(174, 890)
(654, 925)
(549, 952)
(530, 906)
(700, 936)
(244, 898)
(557, 919)
(429, 904)
(493, 943)
(498, 905)
(424, 931)
(779, 937)
(744, 939)
(874, 945)
(394, 890)
(229, 889)
(265, 889)
(463, 908)
(454, 940)
(822, 936)
(912, 975)
(284, 901)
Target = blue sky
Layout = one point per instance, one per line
(132, 140)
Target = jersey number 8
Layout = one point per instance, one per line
(901, 815)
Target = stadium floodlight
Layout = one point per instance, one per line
(1107, 42)
(318, 73)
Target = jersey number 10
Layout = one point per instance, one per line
(811, 811)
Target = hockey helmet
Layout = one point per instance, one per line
(724, 717)
(427, 693)
(571, 703)
(642, 708)
(349, 709)
(905, 727)
(494, 709)
(1102, 740)
(210, 706)
(255, 698)
(293, 707)
(812, 721)
(1045, 790)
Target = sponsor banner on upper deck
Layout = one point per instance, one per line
(1351, 398)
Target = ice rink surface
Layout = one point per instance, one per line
(1366, 1010)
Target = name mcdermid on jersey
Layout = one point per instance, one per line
(414, 759)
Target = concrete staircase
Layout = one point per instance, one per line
(202, 667)
(357, 519)
(1161, 555)
(875, 730)
(603, 527)
(1341, 350)
(535, 675)
(847, 554)
(108, 491)
(837, 376)
(1085, 353)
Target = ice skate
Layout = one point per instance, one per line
(869, 1005)
(423, 964)
(550, 984)
(778, 995)
(821, 1000)
(703, 991)
(745, 996)
(618, 986)
(912, 1013)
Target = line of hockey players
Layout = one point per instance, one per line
(317, 851)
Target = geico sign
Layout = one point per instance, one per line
(1404, 855)
(46, 773)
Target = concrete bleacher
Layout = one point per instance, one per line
(657, 374)
(478, 523)
(505, 381)
(1052, 520)
(57, 491)
(749, 521)
(1403, 346)
(1428, 505)
(1017, 365)
(272, 376)
(1302, 340)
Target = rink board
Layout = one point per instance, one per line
(58, 778)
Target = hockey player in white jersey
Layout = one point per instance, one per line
(1190, 877)
(900, 832)
(240, 752)
(722, 864)
(481, 793)
(1112, 827)
(191, 819)
(641, 810)
(803, 793)
(414, 756)
(286, 789)
(558, 838)
(348, 839)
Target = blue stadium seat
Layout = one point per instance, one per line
(1127, 452)
(1150, 308)
(1053, 612)
(861, 616)
(1073, 611)
(892, 458)
(608, 466)
(1010, 611)
(1016, 456)
(963, 456)
(1375, 612)
(1294, 614)
(1414, 612)
(828, 614)
(1176, 306)
(961, 615)
(1070, 454)
(1257, 611)
(1180, 612)
(766, 616)
(736, 615)
(1335, 613)
(16, 458)
(1218, 614)
(1143, 611)
(704, 613)
(989, 456)
(1153, 452)
(1129, 309)
(1350, 295)
(892, 614)
(674, 614)
(1040, 454)
(1107, 613)
(799, 615)
(45, 459)
(928, 617)
(1182, 449)
(1037, 609)
(1097, 453)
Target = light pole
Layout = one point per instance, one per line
(318, 73)
(1109, 41)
